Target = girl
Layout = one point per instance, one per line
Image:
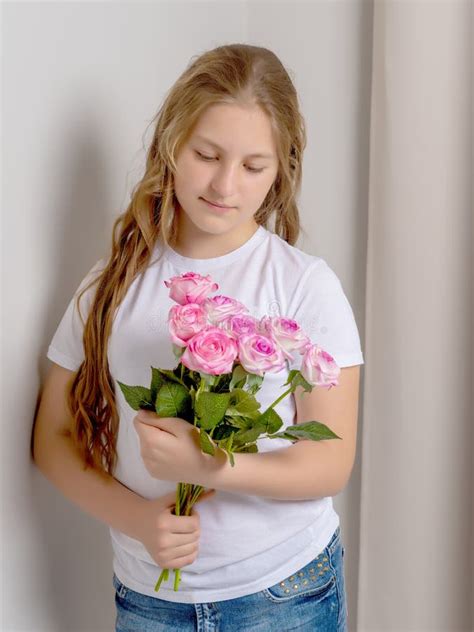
(264, 550)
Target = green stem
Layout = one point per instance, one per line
(187, 495)
(163, 577)
(177, 578)
(196, 397)
(279, 399)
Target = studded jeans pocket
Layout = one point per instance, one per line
(317, 579)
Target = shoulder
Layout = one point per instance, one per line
(299, 266)
(93, 273)
(87, 288)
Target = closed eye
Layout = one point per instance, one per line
(209, 158)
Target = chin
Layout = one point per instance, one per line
(211, 219)
(216, 228)
(215, 225)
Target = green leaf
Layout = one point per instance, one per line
(239, 376)
(224, 429)
(254, 382)
(250, 434)
(205, 442)
(253, 427)
(137, 396)
(271, 420)
(236, 421)
(242, 403)
(170, 375)
(210, 408)
(173, 400)
(234, 414)
(313, 430)
(157, 380)
(248, 448)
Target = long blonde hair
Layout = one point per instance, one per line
(236, 74)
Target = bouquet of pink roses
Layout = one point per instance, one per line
(223, 354)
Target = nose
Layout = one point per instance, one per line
(223, 182)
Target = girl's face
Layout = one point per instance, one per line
(219, 163)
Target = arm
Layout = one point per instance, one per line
(97, 493)
(305, 469)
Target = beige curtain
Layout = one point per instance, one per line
(415, 566)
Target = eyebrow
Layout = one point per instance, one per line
(210, 142)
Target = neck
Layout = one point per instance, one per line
(201, 245)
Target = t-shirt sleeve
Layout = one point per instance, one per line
(322, 310)
(66, 347)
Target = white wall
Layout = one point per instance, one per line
(81, 82)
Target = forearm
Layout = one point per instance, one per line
(301, 471)
(97, 493)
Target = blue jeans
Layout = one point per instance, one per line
(311, 599)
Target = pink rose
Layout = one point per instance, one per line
(210, 351)
(287, 333)
(190, 287)
(220, 307)
(259, 353)
(185, 321)
(319, 367)
(239, 324)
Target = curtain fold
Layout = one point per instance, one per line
(416, 541)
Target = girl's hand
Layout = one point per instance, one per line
(170, 449)
(172, 541)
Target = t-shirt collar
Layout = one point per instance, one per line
(203, 265)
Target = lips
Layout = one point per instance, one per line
(217, 205)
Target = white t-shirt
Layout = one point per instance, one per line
(247, 543)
